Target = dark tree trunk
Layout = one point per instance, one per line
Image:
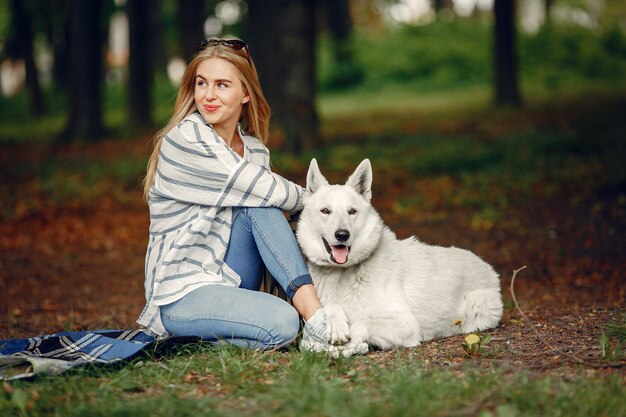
(85, 69)
(263, 49)
(440, 5)
(281, 34)
(56, 28)
(191, 16)
(505, 58)
(211, 5)
(298, 46)
(141, 75)
(338, 18)
(548, 9)
(24, 46)
(347, 71)
(158, 53)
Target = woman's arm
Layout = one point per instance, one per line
(197, 166)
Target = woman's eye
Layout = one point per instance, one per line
(200, 83)
(352, 211)
(325, 211)
(222, 85)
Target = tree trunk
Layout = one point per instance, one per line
(158, 51)
(505, 59)
(191, 16)
(24, 43)
(347, 71)
(56, 28)
(282, 39)
(548, 9)
(338, 18)
(141, 74)
(440, 5)
(298, 47)
(262, 44)
(85, 66)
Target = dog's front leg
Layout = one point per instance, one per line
(359, 333)
(338, 325)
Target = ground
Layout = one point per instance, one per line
(80, 265)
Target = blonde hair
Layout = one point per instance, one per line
(255, 117)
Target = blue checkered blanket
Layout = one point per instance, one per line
(56, 353)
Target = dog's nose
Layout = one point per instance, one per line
(342, 235)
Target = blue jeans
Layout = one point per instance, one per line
(245, 316)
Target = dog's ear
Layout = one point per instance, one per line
(314, 178)
(361, 179)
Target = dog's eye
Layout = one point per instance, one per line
(325, 211)
(352, 211)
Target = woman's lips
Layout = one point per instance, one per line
(210, 108)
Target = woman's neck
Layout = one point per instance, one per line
(228, 133)
(231, 137)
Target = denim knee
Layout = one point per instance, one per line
(286, 326)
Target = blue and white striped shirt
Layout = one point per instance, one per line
(199, 179)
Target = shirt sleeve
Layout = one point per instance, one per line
(196, 166)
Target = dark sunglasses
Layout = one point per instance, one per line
(235, 44)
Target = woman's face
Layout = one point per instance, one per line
(219, 93)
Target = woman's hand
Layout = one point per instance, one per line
(316, 338)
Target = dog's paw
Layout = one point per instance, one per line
(348, 350)
(338, 325)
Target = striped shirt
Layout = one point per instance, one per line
(199, 179)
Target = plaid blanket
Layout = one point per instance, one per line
(56, 353)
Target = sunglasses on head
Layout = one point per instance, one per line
(235, 44)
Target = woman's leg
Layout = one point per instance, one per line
(242, 254)
(275, 243)
(246, 318)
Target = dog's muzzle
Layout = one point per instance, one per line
(338, 253)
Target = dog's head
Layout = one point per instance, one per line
(338, 226)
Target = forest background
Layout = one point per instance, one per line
(496, 129)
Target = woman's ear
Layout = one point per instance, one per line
(245, 99)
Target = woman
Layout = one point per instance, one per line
(215, 215)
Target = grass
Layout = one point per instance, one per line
(220, 381)
(613, 340)
(70, 180)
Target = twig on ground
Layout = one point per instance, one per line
(553, 349)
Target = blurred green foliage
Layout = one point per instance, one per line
(561, 54)
(4, 17)
(403, 60)
(450, 55)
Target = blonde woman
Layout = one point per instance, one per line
(215, 216)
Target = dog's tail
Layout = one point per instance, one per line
(481, 309)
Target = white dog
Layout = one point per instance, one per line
(382, 291)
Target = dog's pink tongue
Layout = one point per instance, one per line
(340, 254)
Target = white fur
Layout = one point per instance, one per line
(390, 293)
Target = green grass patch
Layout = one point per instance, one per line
(87, 179)
(222, 381)
(71, 180)
(613, 341)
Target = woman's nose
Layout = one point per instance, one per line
(209, 94)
